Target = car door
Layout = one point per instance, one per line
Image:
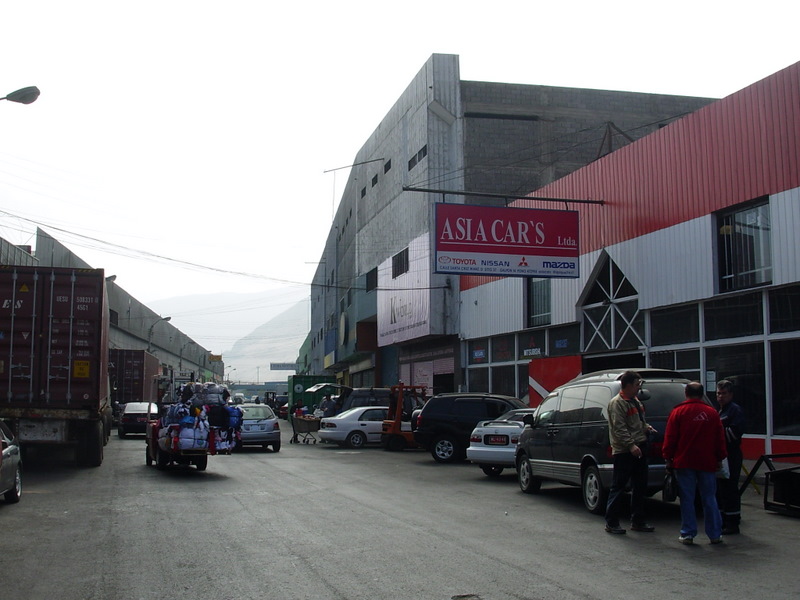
(371, 423)
(566, 435)
(538, 440)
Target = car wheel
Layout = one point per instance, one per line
(492, 470)
(356, 440)
(444, 449)
(201, 462)
(276, 447)
(15, 492)
(147, 458)
(528, 483)
(595, 495)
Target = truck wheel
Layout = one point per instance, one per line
(95, 438)
(201, 462)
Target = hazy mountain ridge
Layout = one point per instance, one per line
(249, 330)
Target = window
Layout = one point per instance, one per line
(744, 366)
(375, 181)
(546, 411)
(400, 263)
(786, 418)
(504, 381)
(744, 245)
(503, 349)
(597, 399)
(423, 152)
(571, 405)
(678, 325)
(539, 302)
(784, 309)
(478, 352)
(734, 317)
(478, 379)
(387, 166)
(564, 341)
(372, 279)
(412, 162)
(363, 192)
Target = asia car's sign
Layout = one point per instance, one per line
(506, 242)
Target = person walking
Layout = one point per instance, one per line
(694, 446)
(733, 424)
(627, 432)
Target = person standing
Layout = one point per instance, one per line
(327, 406)
(627, 432)
(694, 446)
(733, 423)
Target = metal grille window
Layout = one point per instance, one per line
(744, 243)
(611, 316)
(400, 263)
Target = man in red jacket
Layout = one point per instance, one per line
(694, 446)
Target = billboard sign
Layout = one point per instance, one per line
(506, 242)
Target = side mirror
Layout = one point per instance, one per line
(528, 420)
(643, 395)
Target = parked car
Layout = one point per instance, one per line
(355, 427)
(10, 465)
(260, 426)
(134, 417)
(446, 421)
(282, 406)
(566, 440)
(493, 444)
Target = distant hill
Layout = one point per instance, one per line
(249, 330)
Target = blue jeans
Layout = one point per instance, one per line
(689, 481)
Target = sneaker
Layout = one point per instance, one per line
(614, 529)
(645, 527)
(716, 540)
(686, 539)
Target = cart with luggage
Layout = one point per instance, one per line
(303, 429)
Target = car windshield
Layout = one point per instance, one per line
(258, 411)
(513, 415)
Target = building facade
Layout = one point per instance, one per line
(691, 263)
(379, 312)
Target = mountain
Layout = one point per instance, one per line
(278, 340)
(249, 330)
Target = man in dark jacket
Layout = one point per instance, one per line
(694, 446)
(733, 423)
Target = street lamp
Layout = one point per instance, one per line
(150, 332)
(26, 95)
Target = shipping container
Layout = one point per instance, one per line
(54, 357)
(298, 384)
(134, 376)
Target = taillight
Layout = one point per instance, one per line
(515, 439)
(609, 452)
(276, 427)
(474, 438)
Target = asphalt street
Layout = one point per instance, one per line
(319, 521)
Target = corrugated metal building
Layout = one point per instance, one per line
(691, 263)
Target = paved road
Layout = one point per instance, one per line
(324, 522)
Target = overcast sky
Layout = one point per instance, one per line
(174, 133)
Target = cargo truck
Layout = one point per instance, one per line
(135, 377)
(54, 386)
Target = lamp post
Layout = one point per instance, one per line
(228, 378)
(26, 95)
(150, 332)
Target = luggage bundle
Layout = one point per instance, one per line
(196, 425)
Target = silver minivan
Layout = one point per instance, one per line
(566, 440)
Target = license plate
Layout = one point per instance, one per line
(496, 440)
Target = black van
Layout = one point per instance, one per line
(566, 440)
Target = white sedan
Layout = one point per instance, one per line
(493, 444)
(355, 427)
